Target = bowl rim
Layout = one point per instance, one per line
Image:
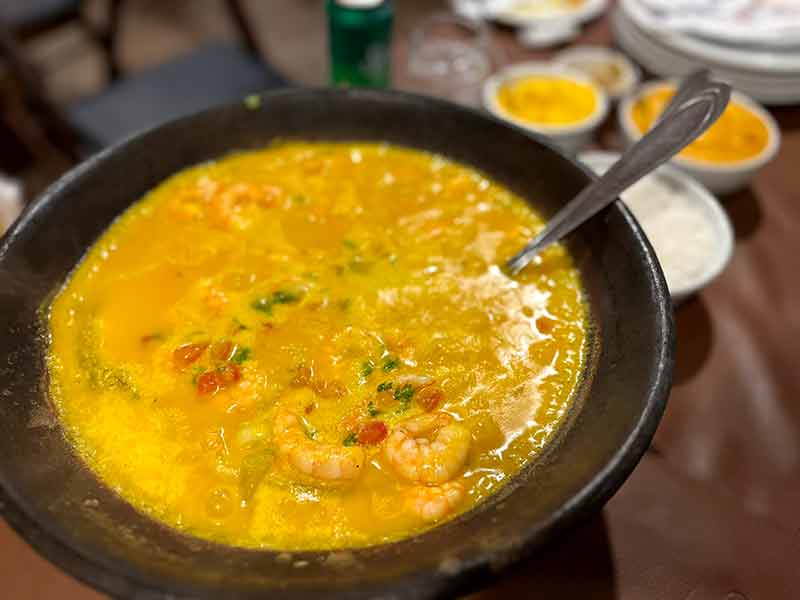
(501, 11)
(492, 85)
(633, 74)
(57, 546)
(712, 208)
(631, 131)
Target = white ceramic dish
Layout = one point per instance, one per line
(720, 178)
(765, 23)
(714, 264)
(503, 11)
(569, 137)
(770, 77)
(588, 55)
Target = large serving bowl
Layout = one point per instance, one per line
(50, 497)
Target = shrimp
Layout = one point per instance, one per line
(430, 448)
(323, 461)
(432, 502)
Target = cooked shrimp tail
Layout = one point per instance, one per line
(433, 502)
(430, 448)
(329, 462)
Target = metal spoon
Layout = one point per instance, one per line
(701, 103)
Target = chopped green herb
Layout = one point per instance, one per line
(252, 101)
(349, 244)
(350, 440)
(359, 265)
(284, 297)
(311, 433)
(343, 304)
(386, 385)
(390, 364)
(263, 305)
(404, 394)
(196, 372)
(239, 325)
(366, 368)
(373, 410)
(241, 355)
(300, 199)
(266, 303)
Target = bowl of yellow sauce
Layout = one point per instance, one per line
(727, 156)
(562, 104)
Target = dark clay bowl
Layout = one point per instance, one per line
(61, 508)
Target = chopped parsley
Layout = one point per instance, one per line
(390, 364)
(350, 440)
(386, 385)
(373, 410)
(284, 297)
(367, 368)
(349, 244)
(265, 303)
(241, 355)
(359, 265)
(239, 325)
(404, 394)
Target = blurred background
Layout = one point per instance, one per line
(711, 513)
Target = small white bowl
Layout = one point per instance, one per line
(702, 199)
(570, 137)
(720, 178)
(630, 74)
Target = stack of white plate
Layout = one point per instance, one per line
(752, 44)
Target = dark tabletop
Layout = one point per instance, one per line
(713, 510)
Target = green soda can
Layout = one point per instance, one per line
(360, 35)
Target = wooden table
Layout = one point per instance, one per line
(711, 513)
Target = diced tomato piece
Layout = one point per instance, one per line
(372, 432)
(208, 383)
(185, 355)
(229, 374)
(222, 350)
(429, 397)
(211, 382)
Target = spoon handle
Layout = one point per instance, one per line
(693, 82)
(669, 136)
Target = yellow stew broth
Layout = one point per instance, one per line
(312, 346)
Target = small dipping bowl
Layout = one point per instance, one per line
(718, 176)
(690, 232)
(571, 136)
(609, 69)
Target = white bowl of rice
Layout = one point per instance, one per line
(690, 232)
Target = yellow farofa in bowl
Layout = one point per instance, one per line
(548, 100)
(739, 134)
(312, 346)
